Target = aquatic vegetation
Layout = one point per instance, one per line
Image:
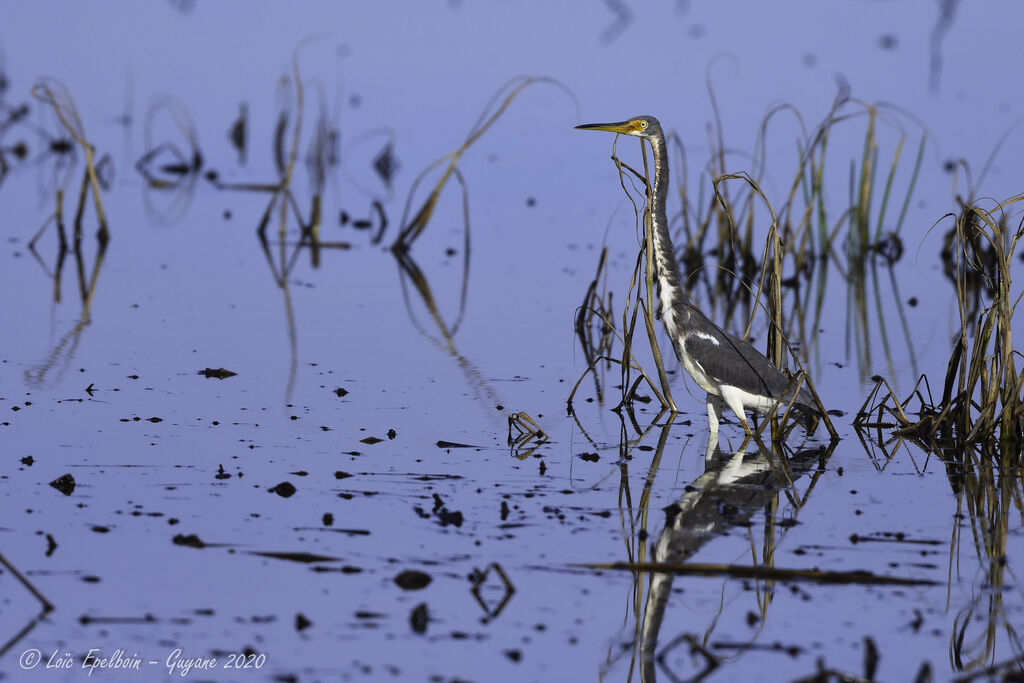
(412, 227)
(53, 93)
(982, 399)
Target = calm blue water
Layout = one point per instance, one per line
(164, 459)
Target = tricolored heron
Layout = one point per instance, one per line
(729, 369)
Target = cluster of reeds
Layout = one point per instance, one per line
(982, 399)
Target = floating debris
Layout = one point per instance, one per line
(453, 444)
(302, 622)
(482, 583)
(191, 541)
(413, 580)
(219, 373)
(285, 489)
(385, 164)
(64, 483)
(306, 558)
(419, 618)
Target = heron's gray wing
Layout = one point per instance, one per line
(727, 359)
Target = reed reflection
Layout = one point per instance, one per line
(59, 99)
(30, 620)
(985, 638)
(287, 197)
(171, 168)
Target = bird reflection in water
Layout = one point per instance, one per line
(734, 487)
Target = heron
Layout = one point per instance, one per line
(729, 369)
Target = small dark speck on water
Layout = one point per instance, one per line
(328, 519)
(340, 392)
(28, 461)
(419, 618)
(392, 433)
(191, 540)
(454, 518)
(913, 300)
(412, 579)
(216, 373)
(888, 41)
(452, 444)
(284, 489)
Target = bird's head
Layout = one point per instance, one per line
(638, 126)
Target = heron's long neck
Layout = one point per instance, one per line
(670, 289)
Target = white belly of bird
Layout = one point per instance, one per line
(734, 397)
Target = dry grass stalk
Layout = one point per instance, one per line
(55, 94)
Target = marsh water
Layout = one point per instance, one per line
(289, 450)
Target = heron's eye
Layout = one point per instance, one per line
(643, 124)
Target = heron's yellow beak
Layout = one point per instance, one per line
(625, 127)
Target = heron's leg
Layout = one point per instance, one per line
(711, 448)
(714, 412)
(734, 402)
